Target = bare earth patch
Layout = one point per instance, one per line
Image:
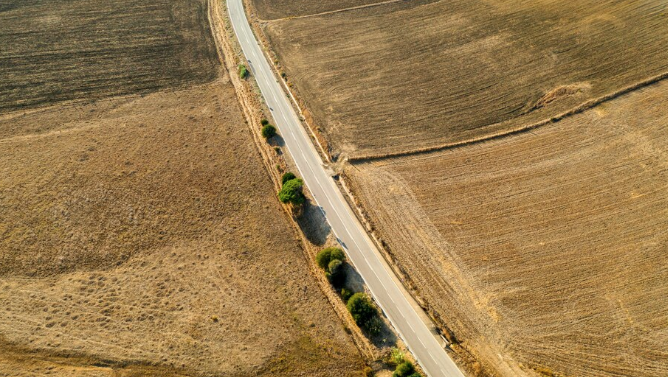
(542, 251)
(417, 74)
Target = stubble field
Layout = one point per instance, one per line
(545, 251)
(417, 74)
(140, 234)
(276, 9)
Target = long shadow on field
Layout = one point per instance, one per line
(313, 224)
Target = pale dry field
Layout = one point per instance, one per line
(417, 74)
(140, 235)
(545, 250)
(148, 233)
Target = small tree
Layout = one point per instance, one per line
(292, 192)
(362, 309)
(405, 369)
(243, 71)
(287, 177)
(264, 122)
(268, 131)
(327, 255)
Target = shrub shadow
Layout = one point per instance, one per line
(314, 224)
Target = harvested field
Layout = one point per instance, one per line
(543, 251)
(275, 9)
(411, 75)
(61, 50)
(139, 232)
(146, 232)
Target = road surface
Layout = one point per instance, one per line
(359, 247)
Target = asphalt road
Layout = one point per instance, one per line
(359, 247)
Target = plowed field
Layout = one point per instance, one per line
(60, 50)
(410, 75)
(546, 250)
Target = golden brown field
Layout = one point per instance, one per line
(410, 75)
(140, 235)
(275, 9)
(544, 251)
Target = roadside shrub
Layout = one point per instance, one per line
(268, 131)
(396, 357)
(336, 274)
(405, 369)
(345, 294)
(292, 192)
(243, 71)
(327, 255)
(337, 254)
(264, 122)
(362, 309)
(287, 177)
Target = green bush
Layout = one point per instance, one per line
(327, 255)
(264, 122)
(268, 131)
(396, 357)
(292, 192)
(336, 273)
(362, 309)
(243, 71)
(287, 177)
(405, 369)
(345, 294)
(337, 254)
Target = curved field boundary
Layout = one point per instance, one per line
(579, 109)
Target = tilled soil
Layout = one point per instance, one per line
(61, 50)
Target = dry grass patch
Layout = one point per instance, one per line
(547, 248)
(145, 231)
(416, 74)
(63, 50)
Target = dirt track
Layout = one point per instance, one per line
(547, 247)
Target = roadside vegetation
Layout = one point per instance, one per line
(268, 131)
(332, 260)
(243, 71)
(291, 192)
